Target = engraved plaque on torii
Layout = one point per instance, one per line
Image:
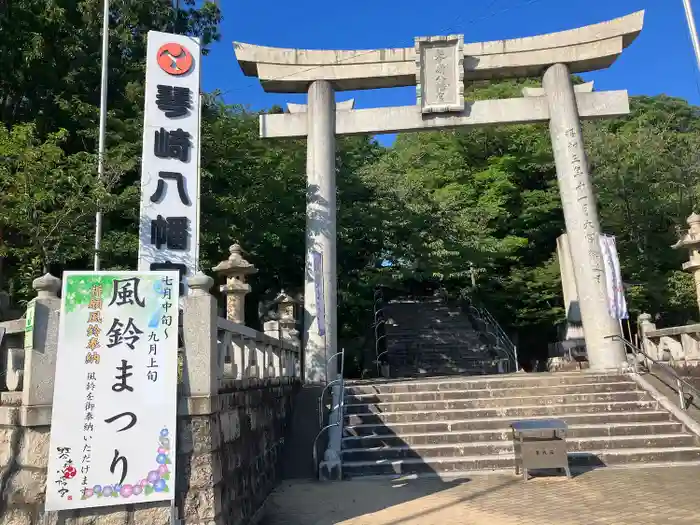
(440, 73)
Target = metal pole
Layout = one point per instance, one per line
(199, 179)
(103, 127)
(693, 30)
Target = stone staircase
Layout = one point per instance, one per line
(427, 337)
(461, 424)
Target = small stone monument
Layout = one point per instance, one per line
(691, 242)
(236, 270)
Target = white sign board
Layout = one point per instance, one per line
(115, 392)
(440, 73)
(169, 219)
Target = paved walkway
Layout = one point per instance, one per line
(650, 496)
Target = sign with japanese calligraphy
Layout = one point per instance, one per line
(115, 392)
(169, 220)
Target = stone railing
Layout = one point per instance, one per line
(677, 345)
(245, 353)
(24, 370)
(12, 357)
(243, 383)
(218, 352)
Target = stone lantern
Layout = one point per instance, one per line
(286, 308)
(691, 242)
(284, 326)
(236, 270)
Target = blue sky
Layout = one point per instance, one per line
(661, 60)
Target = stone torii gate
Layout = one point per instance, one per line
(438, 67)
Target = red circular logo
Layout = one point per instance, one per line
(174, 59)
(69, 472)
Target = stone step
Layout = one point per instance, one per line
(523, 412)
(499, 434)
(592, 458)
(491, 448)
(441, 360)
(519, 380)
(449, 327)
(423, 372)
(438, 395)
(427, 324)
(451, 335)
(464, 358)
(428, 348)
(499, 423)
(496, 402)
(436, 350)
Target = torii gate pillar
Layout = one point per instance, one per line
(581, 218)
(320, 284)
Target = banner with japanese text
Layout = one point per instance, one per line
(617, 305)
(115, 393)
(317, 258)
(169, 217)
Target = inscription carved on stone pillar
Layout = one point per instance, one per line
(236, 270)
(440, 73)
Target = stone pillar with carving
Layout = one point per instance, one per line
(691, 242)
(236, 270)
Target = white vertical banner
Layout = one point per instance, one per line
(113, 423)
(617, 305)
(169, 218)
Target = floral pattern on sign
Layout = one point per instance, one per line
(157, 480)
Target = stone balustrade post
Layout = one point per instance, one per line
(202, 368)
(41, 345)
(272, 329)
(644, 326)
(236, 270)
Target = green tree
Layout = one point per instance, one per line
(47, 198)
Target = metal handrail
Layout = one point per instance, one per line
(494, 328)
(314, 454)
(321, 398)
(341, 410)
(680, 382)
(378, 297)
(500, 333)
(330, 383)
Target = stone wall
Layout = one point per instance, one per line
(228, 462)
(254, 421)
(23, 478)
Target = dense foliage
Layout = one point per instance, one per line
(477, 210)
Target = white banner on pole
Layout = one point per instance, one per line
(113, 423)
(169, 218)
(617, 305)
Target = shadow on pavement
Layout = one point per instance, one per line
(315, 503)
